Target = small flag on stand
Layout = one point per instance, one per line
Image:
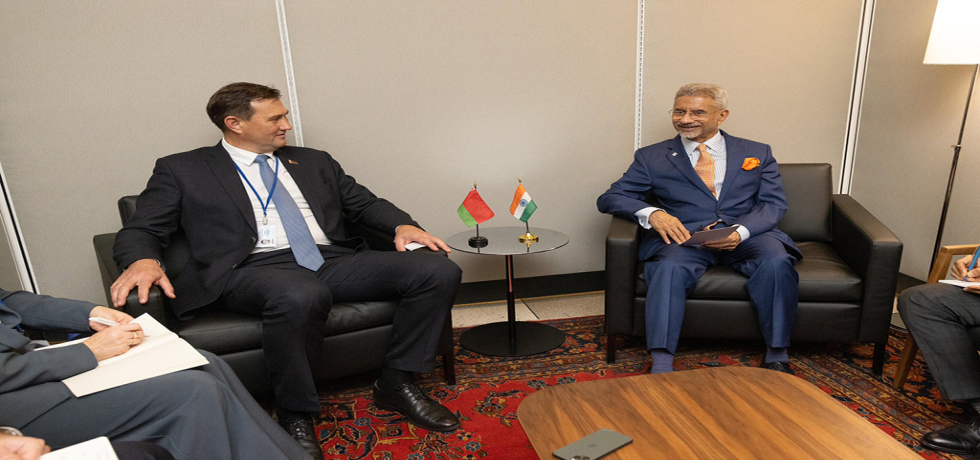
(523, 206)
(474, 210)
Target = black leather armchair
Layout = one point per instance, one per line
(847, 275)
(356, 338)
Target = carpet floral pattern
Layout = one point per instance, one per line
(489, 390)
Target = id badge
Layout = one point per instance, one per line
(267, 236)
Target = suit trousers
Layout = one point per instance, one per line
(674, 270)
(294, 303)
(945, 322)
(197, 414)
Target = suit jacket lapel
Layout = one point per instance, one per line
(305, 182)
(224, 170)
(736, 156)
(678, 157)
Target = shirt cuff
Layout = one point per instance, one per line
(742, 232)
(643, 216)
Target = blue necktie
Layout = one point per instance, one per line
(300, 239)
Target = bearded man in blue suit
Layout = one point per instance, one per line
(705, 178)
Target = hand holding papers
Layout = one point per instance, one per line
(95, 449)
(161, 352)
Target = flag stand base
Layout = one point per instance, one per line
(479, 242)
(528, 238)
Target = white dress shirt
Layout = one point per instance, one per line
(718, 150)
(246, 161)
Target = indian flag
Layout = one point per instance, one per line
(523, 206)
(474, 210)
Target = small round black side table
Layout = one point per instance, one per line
(511, 337)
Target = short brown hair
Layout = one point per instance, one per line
(236, 100)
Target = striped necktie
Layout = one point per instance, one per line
(300, 239)
(706, 168)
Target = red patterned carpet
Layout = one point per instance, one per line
(489, 389)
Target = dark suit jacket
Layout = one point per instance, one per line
(752, 198)
(30, 381)
(200, 193)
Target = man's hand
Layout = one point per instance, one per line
(726, 244)
(21, 447)
(669, 227)
(412, 234)
(114, 340)
(109, 314)
(960, 270)
(143, 273)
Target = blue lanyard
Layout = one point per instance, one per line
(275, 181)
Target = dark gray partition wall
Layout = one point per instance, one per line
(911, 117)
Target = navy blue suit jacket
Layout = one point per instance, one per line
(662, 173)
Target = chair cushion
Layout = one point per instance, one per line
(223, 332)
(824, 277)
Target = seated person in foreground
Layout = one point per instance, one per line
(203, 413)
(705, 178)
(264, 225)
(944, 319)
(15, 446)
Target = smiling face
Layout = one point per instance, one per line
(264, 132)
(697, 117)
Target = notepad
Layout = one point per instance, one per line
(960, 283)
(161, 352)
(94, 449)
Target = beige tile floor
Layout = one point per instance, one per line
(530, 309)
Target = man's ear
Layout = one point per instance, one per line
(723, 116)
(233, 124)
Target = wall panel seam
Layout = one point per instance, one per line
(287, 58)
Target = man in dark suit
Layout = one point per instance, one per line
(264, 226)
(945, 322)
(201, 413)
(706, 179)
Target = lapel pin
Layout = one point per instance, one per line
(292, 162)
(673, 154)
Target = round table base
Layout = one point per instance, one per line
(531, 339)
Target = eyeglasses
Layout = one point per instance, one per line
(678, 113)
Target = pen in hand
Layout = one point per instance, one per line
(973, 264)
(106, 322)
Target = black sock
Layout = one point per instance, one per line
(391, 378)
(286, 414)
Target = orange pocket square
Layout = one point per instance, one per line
(750, 163)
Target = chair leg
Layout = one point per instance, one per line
(449, 368)
(878, 361)
(610, 348)
(905, 363)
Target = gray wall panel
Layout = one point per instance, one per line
(419, 99)
(911, 116)
(787, 66)
(94, 92)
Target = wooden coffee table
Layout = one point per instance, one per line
(731, 412)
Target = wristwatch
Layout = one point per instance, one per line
(11, 431)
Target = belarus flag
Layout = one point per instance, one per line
(523, 206)
(474, 210)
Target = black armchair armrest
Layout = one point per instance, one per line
(874, 253)
(622, 245)
(376, 239)
(155, 304)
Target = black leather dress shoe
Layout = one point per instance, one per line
(962, 438)
(781, 366)
(408, 400)
(301, 429)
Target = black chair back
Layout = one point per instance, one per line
(808, 192)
